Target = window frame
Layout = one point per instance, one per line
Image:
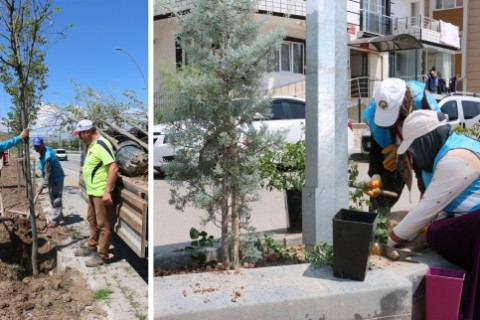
(292, 43)
(445, 4)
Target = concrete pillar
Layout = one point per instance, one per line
(326, 188)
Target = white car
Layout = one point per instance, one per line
(162, 150)
(61, 154)
(288, 113)
(462, 110)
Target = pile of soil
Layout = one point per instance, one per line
(51, 294)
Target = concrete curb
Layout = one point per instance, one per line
(288, 292)
(392, 290)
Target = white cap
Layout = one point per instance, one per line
(417, 124)
(83, 125)
(388, 95)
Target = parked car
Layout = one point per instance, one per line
(288, 113)
(61, 154)
(162, 150)
(463, 110)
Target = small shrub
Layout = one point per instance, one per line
(250, 252)
(320, 255)
(201, 240)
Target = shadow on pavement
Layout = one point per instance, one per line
(121, 251)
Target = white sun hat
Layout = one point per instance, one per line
(388, 96)
(417, 124)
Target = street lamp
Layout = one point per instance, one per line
(136, 64)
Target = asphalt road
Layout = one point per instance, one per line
(268, 214)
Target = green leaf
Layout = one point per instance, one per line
(194, 233)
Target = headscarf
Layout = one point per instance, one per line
(425, 148)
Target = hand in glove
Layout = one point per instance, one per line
(390, 163)
(396, 254)
(372, 187)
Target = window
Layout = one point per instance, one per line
(297, 110)
(450, 108)
(290, 57)
(448, 4)
(285, 57)
(180, 55)
(279, 111)
(470, 109)
(287, 110)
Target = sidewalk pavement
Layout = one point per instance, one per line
(126, 274)
(392, 290)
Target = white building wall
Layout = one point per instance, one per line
(403, 8)
(164, 47)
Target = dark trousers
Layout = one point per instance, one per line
(458, 240)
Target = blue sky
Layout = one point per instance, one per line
(87, 54)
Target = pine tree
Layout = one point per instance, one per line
(214, 98)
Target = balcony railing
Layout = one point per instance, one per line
(421, 27)
(375, 23)
(379, 24)
(292, 7)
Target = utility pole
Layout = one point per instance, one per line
(326, 185)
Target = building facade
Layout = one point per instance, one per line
(384, 39)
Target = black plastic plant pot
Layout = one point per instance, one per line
(353, 236)
(294, 210)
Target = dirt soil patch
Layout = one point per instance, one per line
(296, 255)
(291, 255)
(51, 294)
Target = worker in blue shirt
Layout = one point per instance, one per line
(53, 176)
(393, 100)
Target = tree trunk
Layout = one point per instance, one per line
(28, 184)
(235, 229)
(225, 251)
(235, 194)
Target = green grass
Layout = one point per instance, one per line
(102, 294)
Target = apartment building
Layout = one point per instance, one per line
(384, 39)
(464, 14)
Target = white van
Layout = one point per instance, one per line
(462, 110)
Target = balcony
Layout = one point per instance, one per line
(424, 29)
(374, 24)
(429, 30)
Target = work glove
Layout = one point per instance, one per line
(372, 187)
(397, 254)
(390, 163)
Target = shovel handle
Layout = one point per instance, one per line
(389, 194)
(385, 193)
